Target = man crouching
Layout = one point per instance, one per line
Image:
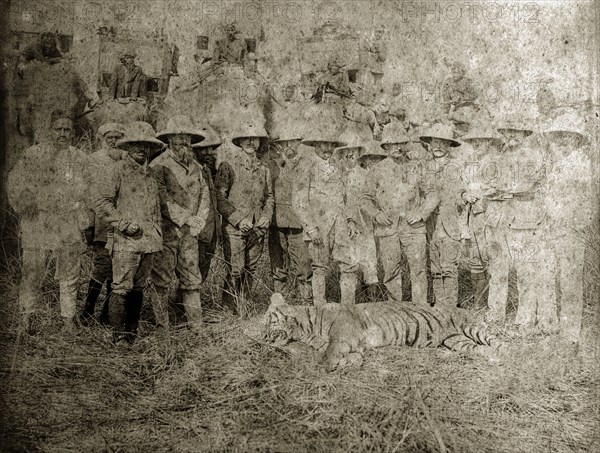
(129, 202)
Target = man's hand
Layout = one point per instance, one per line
(245, 226)
(413, 218)
(133, 230)
(469, 197)
(316, 238)
(353, 230)
(195, 223)
(263, 222)
(383, 219)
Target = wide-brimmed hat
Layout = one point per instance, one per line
(248, 130)
(394, 132)
(440, 131)
(180, 125)
(211, 138)
(129, 52)
(352, 140)
(140, 132)
(481, 132)
(111, 127)
(373, 149)
(567, 122)
(514, 123)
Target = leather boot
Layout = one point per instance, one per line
(133, 308)
(438, 292)
(193, 308)
(451, 291)
(94, 288)
(116, 317)
(480, 286)
(104, 314)
(394, 288)
(347, 288)
(318, 287)
(160, 306)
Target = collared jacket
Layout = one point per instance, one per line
(284, 175)
(318, 196)
(399, 190)
(130, 196)
(447, 179)
(55, 180)
(183, 192)
(244, 189)
(101, 164)
(125, 83)
(212, 230)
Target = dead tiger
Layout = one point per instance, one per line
(343, 333)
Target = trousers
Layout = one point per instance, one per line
(36, 264)
(290, 262)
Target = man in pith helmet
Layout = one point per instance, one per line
(290, 260)
(206, 155)
(129, 202)
(445, 174)
(318, 198)
(400, 200)
(568, 198)
(102, 164)
(245, 200)
(185, 206)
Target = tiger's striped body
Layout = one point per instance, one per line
(343, 333)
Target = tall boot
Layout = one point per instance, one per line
(347, 288)
(159, 300)
(133, 309)
(318, 287)
(193, 308)
(104, 314)
(116, 316)
(94, 288)
(480, 286)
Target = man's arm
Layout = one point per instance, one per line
(205, 203)
(104, 192)
(431, 198)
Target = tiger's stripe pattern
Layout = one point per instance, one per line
(343, 333)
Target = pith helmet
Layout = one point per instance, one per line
(211, 138)
(515, 123)
(373, 149)
(567, 122)
(130, 52)
(111, 127)
(140, 132)
(394, 132)
(323, 124)
(248, 130)
(286, 126)
(482, 132)
(352, 140)
(441, 131)
(180, 124)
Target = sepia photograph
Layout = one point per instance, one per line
(300, 226)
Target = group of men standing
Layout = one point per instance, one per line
(154, 206)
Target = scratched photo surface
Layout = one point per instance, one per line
(297, 226)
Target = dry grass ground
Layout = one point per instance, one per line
(224, 390)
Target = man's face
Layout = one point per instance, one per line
(137, 151)
(398, 151)
(181, 146)
(288, 149)
(350, 157)
(249, 145)
(110, 139)
(325, 149)
(231, 32)
(62, 132)
(513, 137)
(207, 156)
(128, 61)
(457, 72)
(48, 42)
(439, 148)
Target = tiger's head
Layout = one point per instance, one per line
(281, 322)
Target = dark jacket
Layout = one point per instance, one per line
(125, 83)
(284, 175)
